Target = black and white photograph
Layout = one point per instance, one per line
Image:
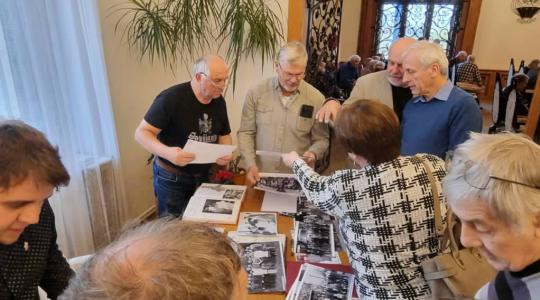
(220, 191)
(279, 183)
(218, 206)
(233, 194)
(314, 242)
(318, 283)
(263, 262)
(257, 224)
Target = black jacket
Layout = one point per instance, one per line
(40, 264)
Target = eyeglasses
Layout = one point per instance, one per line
(483, 185)
(291, 75)
(217, 83)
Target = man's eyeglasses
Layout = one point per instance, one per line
(482, 184)
(217, 83)
(291, 75)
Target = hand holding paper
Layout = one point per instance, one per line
(289, 158)
(209, 153)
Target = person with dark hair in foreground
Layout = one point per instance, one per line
(30, 171)
(165, 259)
(384, 206)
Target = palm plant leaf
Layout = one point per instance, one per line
(180, 29)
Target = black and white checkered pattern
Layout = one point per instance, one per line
(386, 215)
(468, 72)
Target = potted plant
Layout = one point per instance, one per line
(178, 30)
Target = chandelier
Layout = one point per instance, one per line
(526, 10)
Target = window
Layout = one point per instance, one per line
(428, 19)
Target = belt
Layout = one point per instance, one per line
(165, 166)
(174, 170)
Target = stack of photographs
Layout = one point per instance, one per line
(261, 252)
(318, 283)
(263, 262)
(280, 183)
(307, 212)
(314, 242)
(215, 203)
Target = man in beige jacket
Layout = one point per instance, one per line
(279, 116)
(385, 86)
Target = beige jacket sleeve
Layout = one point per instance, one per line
(248, 130)
(320, 136)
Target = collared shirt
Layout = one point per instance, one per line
(269, 125)
(442, 94)
(439, 125)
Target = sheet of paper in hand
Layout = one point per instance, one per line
(279, 183)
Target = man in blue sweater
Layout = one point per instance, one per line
(440, 115)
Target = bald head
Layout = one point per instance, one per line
(395, 53)
(210, 75)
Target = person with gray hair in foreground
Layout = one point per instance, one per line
(440, 116)
(164, 259)
(493, 186)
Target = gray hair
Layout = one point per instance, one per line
(163, 259)
(355, 57)
(201, 66)
(294, 53)
(471, 58)
(509, 156)
(429, 53)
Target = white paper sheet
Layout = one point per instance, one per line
(206, 153)
(279, 203)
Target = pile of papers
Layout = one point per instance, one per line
(318, 283)
(262, 250)
(215, 203)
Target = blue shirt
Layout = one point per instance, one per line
(439, 125)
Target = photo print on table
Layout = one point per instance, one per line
(233, 194)
(263, 262)
(279, 183)
(218, 206)
(257, 223)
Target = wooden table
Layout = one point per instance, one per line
(252, 203)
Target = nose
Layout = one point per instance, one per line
(469, 237)
(30, 214)
(406, 78)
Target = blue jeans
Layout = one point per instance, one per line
(174, 190)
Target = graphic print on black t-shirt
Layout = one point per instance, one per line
(205, 133)
(180, 116)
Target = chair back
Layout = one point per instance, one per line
(495, 110)
(511, 71)
(510, 109)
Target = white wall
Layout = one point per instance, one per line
(500, 37)
(134, 84)
(350, 22)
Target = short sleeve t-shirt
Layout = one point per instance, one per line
(180, 116)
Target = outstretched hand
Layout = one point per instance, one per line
(289, 158)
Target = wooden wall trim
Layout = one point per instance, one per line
(295, 20)
(471, 23)
(534, 112)
(366, 29)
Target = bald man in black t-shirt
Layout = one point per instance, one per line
(193, 110)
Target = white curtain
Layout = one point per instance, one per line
(53, 76)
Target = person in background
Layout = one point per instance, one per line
(165, 259)
(441, 115)
(30, 172)
(279, 116)
(532, 66)
(386, 86)
(493, 186)
(348, 73)
(468, 72)
(193, 110)
(387, 225)
(519, 84)
(459, 58)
